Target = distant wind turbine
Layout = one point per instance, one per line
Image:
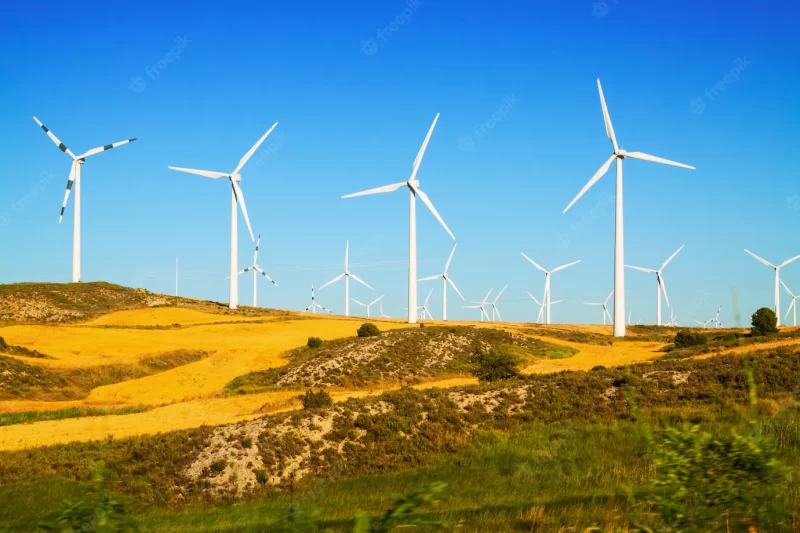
(369, 305)
(314, 305)
(346, 275)
(74, 180)
(619, 235)
(445, 280)
(380, 306)
(236, 197)
(673, 320)
(481, 306)
(660, 286)
(257, 270)
(704, 324)
(777, 270)
(547, 274)
(540, 316)
(414, 192)
(496, 309)
(792, 306)
(424, 308)
(604, 305)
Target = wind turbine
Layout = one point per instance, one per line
(704, 324)
(74, 179)
(314, 305)
(347, 275)
(414, 191)
(619, 254)
(715, 320)
(236, 196)
(481, 306)
(792, 306)
(445, 280)
(541, 305)
(369, 305)
(673, 320)
(777, 280)
(380, 306)
(547, 279)
(604, 305)
(660, 286)
(424, 307)
(257, 270)
(496, 309)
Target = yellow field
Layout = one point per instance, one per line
(167, 316)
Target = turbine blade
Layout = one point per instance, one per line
(610, 294)
(376, 300)
(760, 259)
(449, 259)
(485, 300)
(654, 159)
(663, 287)
(346, 255)
(587, 303)
(789, 309)
(533, 263)
(360, 281)
(240, 198)
(249, 154)
(265, 275)
(61, 146)
(430, 278)
(642, 269)
(597, 175)
(607, 117)
(787, 288)
(497, 309)
(562, 267)
(795, 258)
(429, 205)
(359, 303)
(70, 182)
(421, 153)
(608, 314)
(450, 281)
(534, 298)
(255, 254)
(499, 294)
(334, 280)
(428, 298)
(206, 173)
(377, 190)
(673, 257)
(97, 150)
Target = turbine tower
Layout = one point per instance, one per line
(314, 305)
(496, 309)
(547, 274)
(445, 280)
(792, 306)
(619, 235)
(660, 286)
(257, 270)
(777, 270)
(347, 275)
(414, 192)
(541, 305)
(236, 197)
(369, 305)
(604, 305)
(74, 180)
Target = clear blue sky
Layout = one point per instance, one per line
(351, 120)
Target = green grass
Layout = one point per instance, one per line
(27, 417)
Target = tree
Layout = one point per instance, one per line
(368, 330)
(764, 322)
(686, 338)
(314, 342)
(495, 364)
(315, 400)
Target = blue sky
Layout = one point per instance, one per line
(355, 95)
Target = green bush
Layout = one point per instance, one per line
(495, 364)
(686, 338)
(764, 322)
(368, 330)
(314, 400)
(314, 342)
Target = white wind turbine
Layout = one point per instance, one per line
(424, 307)
(75, 180)
(604, 305)
(704, 324)
(715, 320)
(619, 238)
(314, 305)
(540, 317)
(792, 306)
(347, 275)
(257, 270)
(236, 196)
(414, 191)
(481, 306)
(547, 274)
(660, 286)
(673, 320)
(777, 270)
(369, 305)
(496, 309)
(380, 307)
(445, 280)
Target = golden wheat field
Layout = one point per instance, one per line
(191, 395)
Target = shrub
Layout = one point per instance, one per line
(368, 330)
(764, 322)
(218, 466)
(314, 400)
(314, 342)
(495, 364)
(686, 338)
(3, 344)
(247, 442)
